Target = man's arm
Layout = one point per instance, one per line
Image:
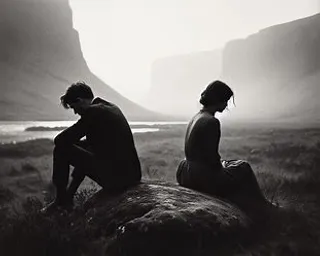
(72, 134)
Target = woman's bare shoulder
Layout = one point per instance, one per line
(209, 118)
(206, 120)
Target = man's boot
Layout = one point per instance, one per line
(62, 202)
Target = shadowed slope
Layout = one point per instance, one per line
(40, 55)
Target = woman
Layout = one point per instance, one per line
(202, 169)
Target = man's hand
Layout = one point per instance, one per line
(71, 135)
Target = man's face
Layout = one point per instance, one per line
(78, 107)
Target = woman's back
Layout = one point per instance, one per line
(202, 140)
(202, 169)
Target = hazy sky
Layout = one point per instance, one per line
(121, 38)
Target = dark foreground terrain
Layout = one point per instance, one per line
(285, 160)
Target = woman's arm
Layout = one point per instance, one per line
(212, 140)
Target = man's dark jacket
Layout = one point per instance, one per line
(109, 138)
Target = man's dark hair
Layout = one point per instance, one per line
(75, 91)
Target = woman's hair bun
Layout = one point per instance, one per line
(215, 92)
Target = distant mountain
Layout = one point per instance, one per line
(276, 72)
(177, 81)
(40, 55)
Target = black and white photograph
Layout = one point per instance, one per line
(159, 127)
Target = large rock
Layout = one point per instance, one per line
(165, 219)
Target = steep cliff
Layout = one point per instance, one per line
(276, 72)
(40, 55)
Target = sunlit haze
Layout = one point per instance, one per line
(120, 39)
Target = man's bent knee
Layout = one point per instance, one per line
(63, 150)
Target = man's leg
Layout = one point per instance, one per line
(77, 178)
(79, 172)
(60, 174)
(63, 157)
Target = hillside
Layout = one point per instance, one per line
(40, 55)
(276, 72)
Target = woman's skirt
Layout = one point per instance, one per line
(234, 177)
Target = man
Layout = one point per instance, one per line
(107, 155)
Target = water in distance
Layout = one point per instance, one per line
(17, 131)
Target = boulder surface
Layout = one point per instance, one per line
(164, 219)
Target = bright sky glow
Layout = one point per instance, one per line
(121, 38)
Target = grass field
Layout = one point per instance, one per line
(285, 160)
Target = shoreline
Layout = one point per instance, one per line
(15, 132)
